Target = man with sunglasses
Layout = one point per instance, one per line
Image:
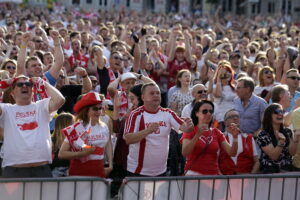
(292, 78)
(246, 160)
(199, 92)
(27, 143)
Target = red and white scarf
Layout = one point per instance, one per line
(77, 134)
(123, 109)
(112, 75)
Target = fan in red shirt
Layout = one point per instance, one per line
(180, 56)
(202, 145)
(77, 59)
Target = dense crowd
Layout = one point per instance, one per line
(140, 94)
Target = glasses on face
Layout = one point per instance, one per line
(205, 111)
(38, 41)
(294, 78)
(232, 117)
(27, 84)
(117, 58)
(268, 72)
(10, 67)
(202, 92)
(278, 112)
(97, 108)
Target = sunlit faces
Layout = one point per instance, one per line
(22, 89)
(180, 54)
(128, 83)
(205, 113)
(199, 92)
(268, 77)
(34, 68)
(11, 68)
(293, 79)
(116, 61)
(185, 79)
(241, 90)
(232, 117)
(95, 112)
(151, 96)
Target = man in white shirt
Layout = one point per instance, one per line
(147, 130)
(27, 139)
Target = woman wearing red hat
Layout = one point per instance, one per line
(87, 140)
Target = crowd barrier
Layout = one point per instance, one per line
(69, 188)
(246, 187)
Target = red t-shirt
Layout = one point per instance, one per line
(207, 163)
(78, 61)
(173, 67)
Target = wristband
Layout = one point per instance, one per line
(84, 76)
(140, 76)
(23, 46)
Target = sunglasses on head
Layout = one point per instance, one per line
(205, 111)
(202, 92)
(27, 84)
(294, 78)
(10, 67)
(278, 112)
(97, 108)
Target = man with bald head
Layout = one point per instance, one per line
(199, 92)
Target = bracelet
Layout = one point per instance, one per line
(140, 76)
(23, 46)
(84, 76)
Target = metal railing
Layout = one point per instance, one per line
(248, 187)
(67, 188)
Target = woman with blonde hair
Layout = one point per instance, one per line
(266, 81)
(87, 140)
(60, 167)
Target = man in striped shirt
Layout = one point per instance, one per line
(147, 131)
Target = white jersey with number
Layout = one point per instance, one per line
(149, 156)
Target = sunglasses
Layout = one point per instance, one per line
(205, 111)
(117, 58)
(39, 41)
(27, 84)
(202, 92)
(278, 112)
(10, 67)
(97, 108)
(268, 72)
(294, 78)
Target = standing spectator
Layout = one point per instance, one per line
(276, 142)
(223, 91)
(296, 127)
(26, 124)
(10, 66)
(199, 92)
(77, 59)
(246, 161)
(60, 167)
(202, 144)
(87, 140)
(147, 133)
(292, 81)
(250, 107)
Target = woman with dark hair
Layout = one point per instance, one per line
(276, 142)
(121, 149)
(87, 140)
(201, 146)
(183, 95)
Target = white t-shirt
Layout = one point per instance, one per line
(26, 132)
(149, 156)
(187, 110)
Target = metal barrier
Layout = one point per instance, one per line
(248, 187)
(68, 188)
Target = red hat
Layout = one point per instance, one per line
(91, 98)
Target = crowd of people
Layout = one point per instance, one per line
(119, 93)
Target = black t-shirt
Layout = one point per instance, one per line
(103, 80)
(71, 93)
